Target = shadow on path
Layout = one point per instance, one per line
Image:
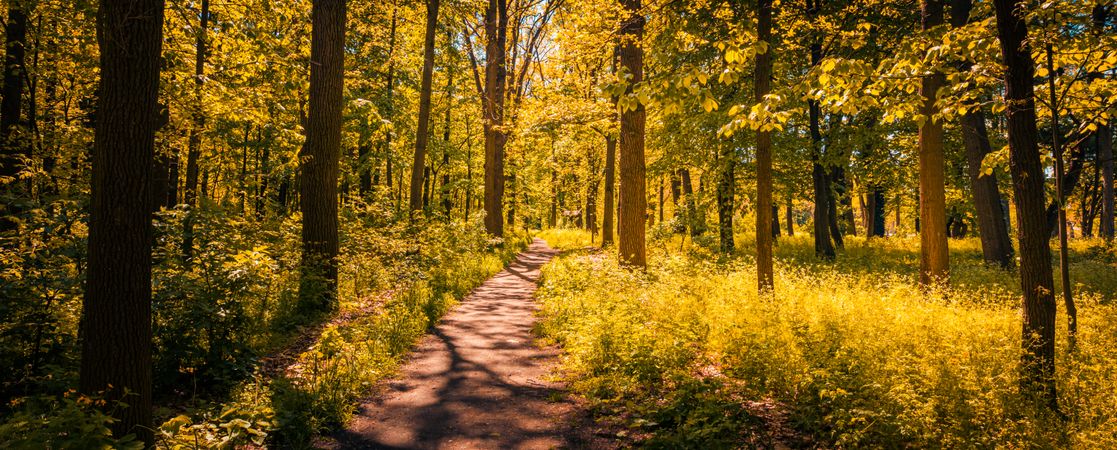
(478, 381)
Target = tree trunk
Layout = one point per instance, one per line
(390, 108)
(832, 211)
(876, 214)
(823, 247)
(633, 193)
(419, 170)
(725, 190)
(496, 33)
(767, 225)
(194, 141)
(996, 246)
(364, 166)
(680, 225)
(790, 218)
(116, 314)
(318, 183)
(445, 190)
(14, 148)
(1060, 199)
(1036, 281)
(610, 171)
(934, 258)
(1105, 157)
(695, 221)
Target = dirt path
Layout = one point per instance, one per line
(478, 381)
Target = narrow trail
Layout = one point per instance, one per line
(478, 380)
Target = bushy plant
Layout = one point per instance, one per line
(851, 353)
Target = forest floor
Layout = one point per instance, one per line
(478, 380)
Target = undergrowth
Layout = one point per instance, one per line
(236, 363)
(844, 354)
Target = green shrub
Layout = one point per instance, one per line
(847, 354)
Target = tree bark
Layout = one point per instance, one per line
(934, 257)
(390, 108)
(725, 190)
(447, 205)
(1105, 156)
(823, 247)
(695, 221)
(496, 33)
(767, 213)
(790, 218)
(194, 141)
(116, 314)
(633, 190)
(14, 150)
(996, 246)
(318, 198)
(610, 175)
(1060, 200)
(419, 168)
(1036, 281)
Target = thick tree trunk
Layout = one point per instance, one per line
(823, 247)
(116, 314)
(496, 32)
(14, 149)
(996, 246)
(934, 257)
(767, 214)
(1036, 282)
(610, 175)
(633, 190)
(419, 170)
(318, 182)
(876, 213)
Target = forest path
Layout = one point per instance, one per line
(478, 380)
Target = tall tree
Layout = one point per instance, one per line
(765, 210)
(194, 141)
(823, 247)
(934, 258)
(996, 246)
(1105, 144)
(390, 84)
(607, 227)
(726, 187)
(1105, 156)
(1036, 282)
(116, 314)
(12, 150)
(422, 132)
(1060, 196)
(496, 36)
(318, 199)
(633, 195)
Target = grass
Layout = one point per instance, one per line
(375, 327)
(849, 353)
